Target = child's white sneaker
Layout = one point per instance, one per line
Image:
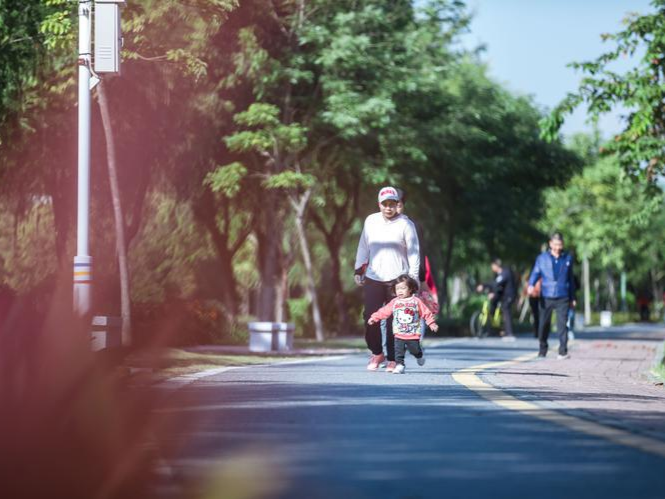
(399, 369)
(421, 360)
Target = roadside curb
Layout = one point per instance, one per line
(177, 382)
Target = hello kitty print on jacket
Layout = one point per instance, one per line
(406, 313)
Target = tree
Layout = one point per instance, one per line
(34, 103)
(479, 168)
(597, 213)
(641, 90)
(322, 87)
(119, 220)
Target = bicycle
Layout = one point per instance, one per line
(478, 323)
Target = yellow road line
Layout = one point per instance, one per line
(468, 377)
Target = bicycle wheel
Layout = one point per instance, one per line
(475, 324)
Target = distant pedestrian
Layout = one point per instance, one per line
(428, 292)
(534, 301)
(503, 291)
(422, 246)
(555, 268)
(388, 248)
(407, 311)
(643, 301)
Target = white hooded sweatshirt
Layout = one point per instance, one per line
(388, 247)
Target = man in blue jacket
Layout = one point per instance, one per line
(555, 267)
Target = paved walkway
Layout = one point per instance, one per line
(327, 428)
(606, 379)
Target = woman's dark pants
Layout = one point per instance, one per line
(376, 294)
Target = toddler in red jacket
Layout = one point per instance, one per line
(407, 310)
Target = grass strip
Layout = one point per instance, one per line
(172, 362)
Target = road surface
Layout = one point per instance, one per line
(330, 429)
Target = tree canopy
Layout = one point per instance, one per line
(640, 91)
(261, 131)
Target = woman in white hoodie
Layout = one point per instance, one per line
(388, 248)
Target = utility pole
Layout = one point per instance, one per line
(108, 41)
(587, 290)
(82, 260)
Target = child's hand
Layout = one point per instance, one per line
(434, 327)
(371, 321)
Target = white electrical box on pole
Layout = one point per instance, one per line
(108, 37)
(82, 260)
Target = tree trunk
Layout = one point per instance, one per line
(338, 289)
(344, 215)
(229, 294)
(269, 242)
(61, 195)
(447, 261)
(457, 290)
(300, 207)
(624, 306)
(282, 294)
(611, 292)
(117, 215)
(656, 289)
(269, 278)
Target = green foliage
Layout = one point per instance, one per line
(290, 180)
(226, 179)
(32, 35)
(250, 104)
(641, 90)
(596, 212)
(57, 27)
(299, 314)
(27, 246)
(171, 247)
(176, 32)
(269, 137)
(608, 217)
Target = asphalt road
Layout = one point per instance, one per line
(331, 429)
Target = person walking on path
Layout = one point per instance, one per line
(555, 267)
(419, 232)
(407, 311)
(534, 303)
(428, 292)
(388, 248)
(503, 291)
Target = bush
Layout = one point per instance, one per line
(353, 303)
(300, 315)
(465, 308)
(181, 322)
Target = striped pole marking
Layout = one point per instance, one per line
(82, 273)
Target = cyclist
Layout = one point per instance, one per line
(502, 291)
